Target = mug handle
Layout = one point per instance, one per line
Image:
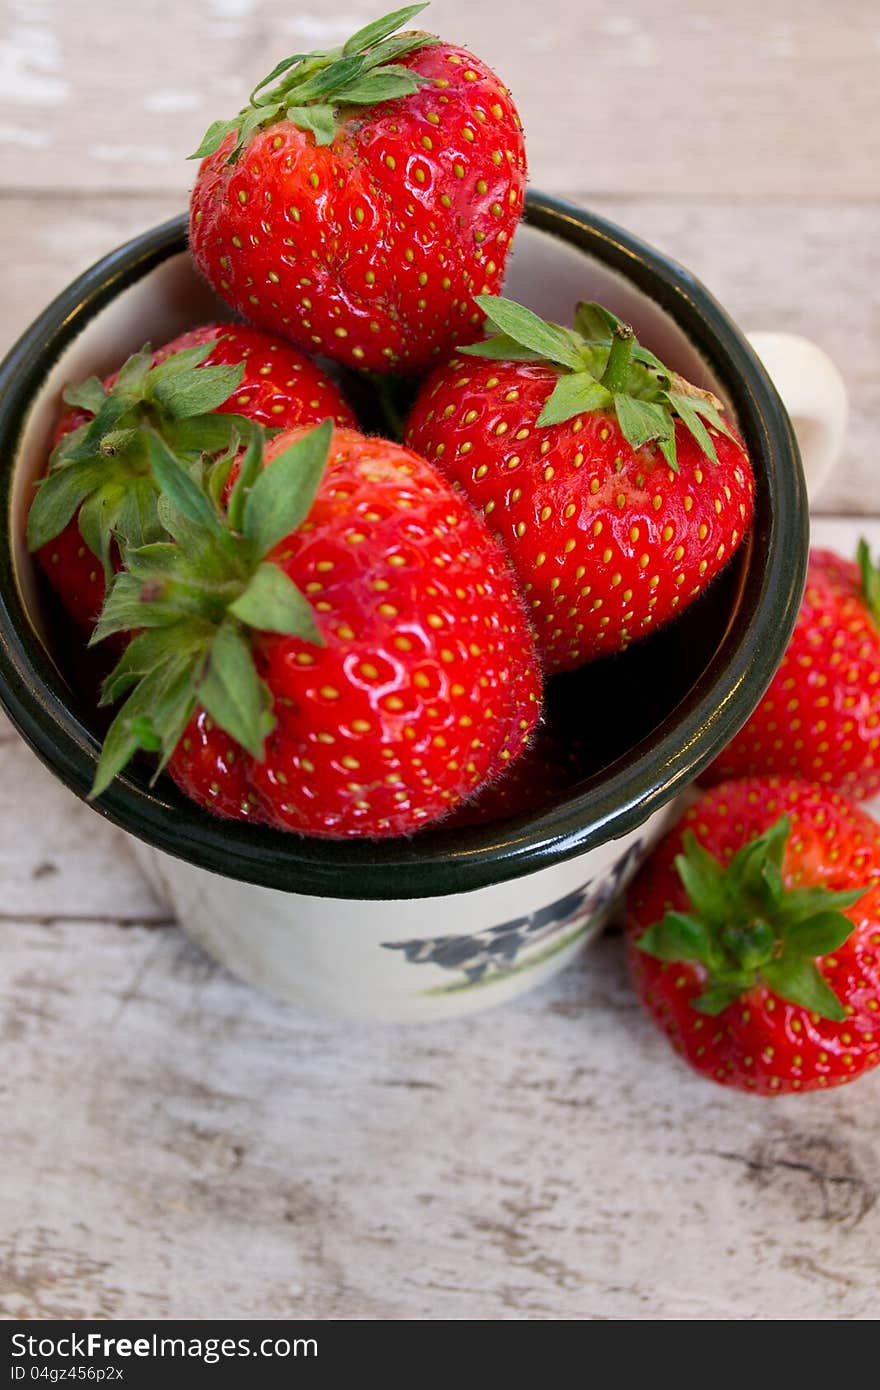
(813, 393)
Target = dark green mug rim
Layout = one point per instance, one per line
(438, 862)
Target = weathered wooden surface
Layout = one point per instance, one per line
(173, 1144)
(176, 1146)
(753, 100)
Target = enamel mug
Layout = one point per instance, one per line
(450, 920)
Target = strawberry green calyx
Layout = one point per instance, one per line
(745, 928)
(196, 598)
(623, 341)
(308, 88)
(102, 469)
(870, 580)
(604, 367)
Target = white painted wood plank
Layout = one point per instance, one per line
(52, 238)
(843, 533)
(716, 99)
(57, 856)
(175, 1145)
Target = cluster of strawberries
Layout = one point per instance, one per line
(754, 929)
(343, 635)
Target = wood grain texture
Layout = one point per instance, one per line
(203, 1152)
(176, 1145)
(761, 99)
(57, 858)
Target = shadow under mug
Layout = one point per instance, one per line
(450, 920)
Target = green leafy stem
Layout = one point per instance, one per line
(102, 470)
(745, 927)
(307, 88)
(870, 580)
(603, 367)
(195, 598)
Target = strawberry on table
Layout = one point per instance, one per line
(339, 653)
(99, 480)
(363, 196)
(754, 936)
(617, 488)
(820, 718)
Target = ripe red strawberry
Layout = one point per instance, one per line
(363, 196)
(820, 718)
(546, 771)
(617, 488)
(753, 936)
(97, 484)
(340, 653)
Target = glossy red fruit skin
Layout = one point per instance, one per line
(546, 771)
(820, 718)
(281, 387)
(608, 543)
(369, 249)
(217, 767)
(761, 1043)
(428, 682)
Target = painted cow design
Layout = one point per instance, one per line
(493, 952)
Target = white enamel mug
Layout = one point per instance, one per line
(449, 921)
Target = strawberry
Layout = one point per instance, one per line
(753, 933)
(617, 488)
(544, 773)
(337, 653)
(820, 718)
(362, 196)
(98, 478)
(523, 787)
